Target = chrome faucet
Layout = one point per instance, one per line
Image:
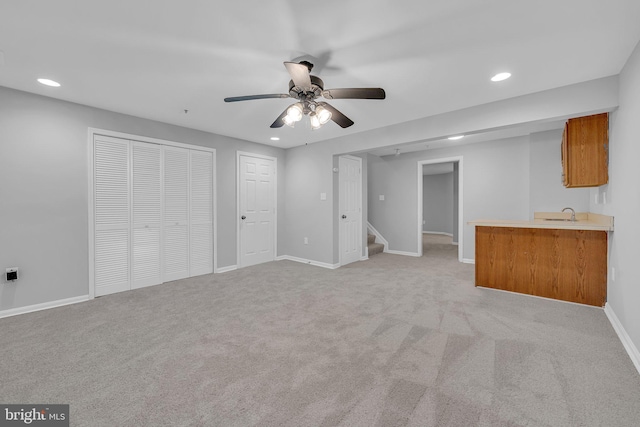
(573, 214)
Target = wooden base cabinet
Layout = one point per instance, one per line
(568, 265)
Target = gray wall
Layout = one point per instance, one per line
(309, 167)
(44, 191)
(545, 187)
(437, 203)
(506, 179)
(623, 202)
(495, 183)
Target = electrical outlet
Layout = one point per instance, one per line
(604, 197)
(595, 198)
(306, 240)
(12, 274)
(613, 274)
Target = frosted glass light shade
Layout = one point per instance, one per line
(315, 121)
(323, 114)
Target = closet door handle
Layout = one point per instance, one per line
(243, 217)
(344, 217)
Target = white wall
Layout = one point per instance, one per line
(547, 193)
(495, 182)
(44, 191)
(437, 203)
(623, 201)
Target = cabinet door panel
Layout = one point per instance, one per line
(585, 154)
(201, 207)
(112, 200)
(146, 214)
(176, 213)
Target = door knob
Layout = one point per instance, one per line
(344, 217)
(243, 217)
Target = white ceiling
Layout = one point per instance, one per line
(155, 59)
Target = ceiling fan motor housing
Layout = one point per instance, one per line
(317, 86)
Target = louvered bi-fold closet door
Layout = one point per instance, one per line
(176, 213)
(201, 204)
(146, 265)
(112, 201)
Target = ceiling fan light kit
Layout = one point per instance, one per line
(294, 114)
(306, 88)
(323, 114)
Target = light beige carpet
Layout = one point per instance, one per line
(392, 341)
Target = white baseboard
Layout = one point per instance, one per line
(632, 350)
(307, 261)
(413, 254)
(227, 269)
(438, 232)
(42, 306)
(468, 261)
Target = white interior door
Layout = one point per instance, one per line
(176, 213)
(350, 207)
(146, 264)
(257, 209)
(112, 200)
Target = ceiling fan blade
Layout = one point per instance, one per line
(342, 120)
(278, 123)
(250, 97)
(354, 93)
(299, 74)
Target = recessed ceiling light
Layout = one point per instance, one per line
(455, 138)
(275, 138)
(500, 77)
(48, 82)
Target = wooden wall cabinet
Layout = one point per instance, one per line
(585, 146)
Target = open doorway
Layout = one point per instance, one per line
(444, 220)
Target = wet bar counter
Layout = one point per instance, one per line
(546, 257)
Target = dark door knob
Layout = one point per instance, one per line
(344, 217)
(243, 217)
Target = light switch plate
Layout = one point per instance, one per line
(323, 196)
(381, 197)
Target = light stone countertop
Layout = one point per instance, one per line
(555, 220)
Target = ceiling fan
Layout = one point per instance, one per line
(306, 88)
